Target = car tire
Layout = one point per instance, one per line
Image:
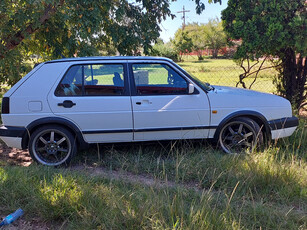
(240, 135)
(52, 145)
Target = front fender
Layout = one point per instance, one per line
(256, 116)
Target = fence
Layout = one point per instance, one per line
(227, 73)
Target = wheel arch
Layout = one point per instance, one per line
(256, 116)
(53, 121)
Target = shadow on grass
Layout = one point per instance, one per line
(202, 61)
(187, 62)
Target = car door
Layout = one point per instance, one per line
(162, 107)
(95, 96)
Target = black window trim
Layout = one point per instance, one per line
(83, 91)
(150, 62)
(125, 76)
(183, 71)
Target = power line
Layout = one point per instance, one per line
(183, 16)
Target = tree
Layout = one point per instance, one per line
(272, 29)
(197, 34)
(50, 29)
(164, 50)
(182, 42)
(209, 35)
(215, 38)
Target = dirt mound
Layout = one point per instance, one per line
(14, 156)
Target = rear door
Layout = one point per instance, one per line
(95, 96)
(162, 107)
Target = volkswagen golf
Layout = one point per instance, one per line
(66, 104)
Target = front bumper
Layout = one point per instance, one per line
(283, 127)
(284, 123)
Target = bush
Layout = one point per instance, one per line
(164, 50)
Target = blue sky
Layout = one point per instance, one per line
(169, 27)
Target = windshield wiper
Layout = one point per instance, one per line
(209, 86)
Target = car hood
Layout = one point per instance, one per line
(231, 97)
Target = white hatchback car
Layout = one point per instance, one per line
(65, 104)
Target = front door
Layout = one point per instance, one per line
(95, 96)
(162, 107)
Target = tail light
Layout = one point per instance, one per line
(5, 105)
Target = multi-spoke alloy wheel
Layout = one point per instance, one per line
(52, 145)
(239, 135)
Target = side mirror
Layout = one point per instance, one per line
(191, 88)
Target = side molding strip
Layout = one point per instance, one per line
(149, 130)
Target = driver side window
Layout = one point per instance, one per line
(158, 79)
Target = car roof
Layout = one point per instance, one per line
(97, 58)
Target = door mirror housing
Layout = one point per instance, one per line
(191, 88)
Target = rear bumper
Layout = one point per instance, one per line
(12, 131)
(12, 136)
(283, 127)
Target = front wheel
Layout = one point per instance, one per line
(52, 145)
(239, 135)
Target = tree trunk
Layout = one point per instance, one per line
(199, 55)
(293, 76)
(215, 53)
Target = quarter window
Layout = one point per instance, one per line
(92, 80)
(158, 79)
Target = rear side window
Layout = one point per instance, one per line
(92, 80)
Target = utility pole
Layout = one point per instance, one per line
(183, 16)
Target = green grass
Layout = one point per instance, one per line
(84, 202)
(278, 174)
(266, 189)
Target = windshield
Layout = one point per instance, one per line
(204, 85)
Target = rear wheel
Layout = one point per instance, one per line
(239, 135)
(52, 145)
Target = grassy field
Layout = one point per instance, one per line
(166, 185)
(226, 72)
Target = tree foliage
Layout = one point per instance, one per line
(197, 34)
(182, 42)
(162, 49)
(215, 37)
(209, 35)
(49, 29)
(272, 29)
